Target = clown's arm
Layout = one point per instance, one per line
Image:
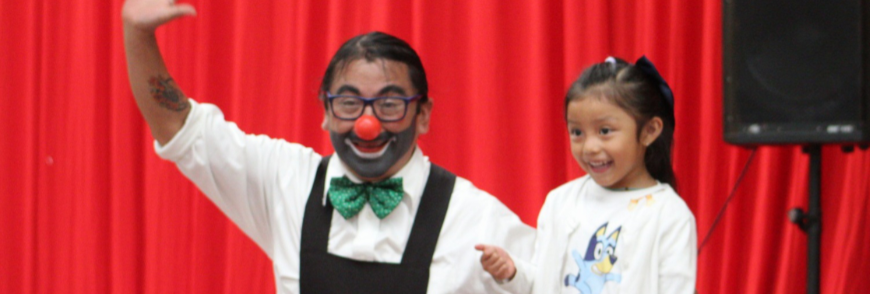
(159, 98)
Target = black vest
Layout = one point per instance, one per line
(321, 272)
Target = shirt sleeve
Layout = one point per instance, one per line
(522, 281)
(506, 230)
(239, 172)
(543, 257)
(475, 217)
(529, 262)
(678, 249)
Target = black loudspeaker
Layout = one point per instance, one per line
(796, 71)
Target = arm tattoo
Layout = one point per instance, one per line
(166, 92)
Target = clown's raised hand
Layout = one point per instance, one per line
(147, 15)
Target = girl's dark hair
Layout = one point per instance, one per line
(641, 95)
(372, 46)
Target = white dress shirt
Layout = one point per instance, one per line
(262, 185)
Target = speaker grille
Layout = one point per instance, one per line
(794, 71)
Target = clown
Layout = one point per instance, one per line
(375, 217)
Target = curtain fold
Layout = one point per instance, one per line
(87, 207)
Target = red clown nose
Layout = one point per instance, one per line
(367, 127)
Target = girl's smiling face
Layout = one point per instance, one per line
(605, 142)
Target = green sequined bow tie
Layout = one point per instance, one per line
(349, 198)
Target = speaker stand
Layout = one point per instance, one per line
(811, 222)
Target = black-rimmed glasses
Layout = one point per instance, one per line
(387, 109)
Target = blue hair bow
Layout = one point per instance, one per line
(649, 69)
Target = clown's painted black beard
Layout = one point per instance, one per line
(399, 144)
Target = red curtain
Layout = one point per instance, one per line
(87, 207)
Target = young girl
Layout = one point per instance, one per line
(622, 228)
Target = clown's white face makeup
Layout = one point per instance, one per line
(379, 158)
(604, 141)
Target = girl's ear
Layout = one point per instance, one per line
(651, 131)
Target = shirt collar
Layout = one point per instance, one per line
(602, 194)
(414, 175)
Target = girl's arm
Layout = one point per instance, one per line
(497, 262)
(679, 250)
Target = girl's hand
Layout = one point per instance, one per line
(147, 15)
(497, 262)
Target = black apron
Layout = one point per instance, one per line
(321, 272)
